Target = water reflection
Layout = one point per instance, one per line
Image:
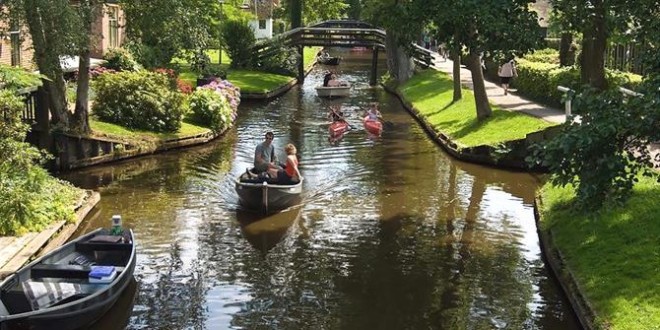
(392, 233)
(264, 231)
(118, 316)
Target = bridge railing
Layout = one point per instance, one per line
(28, 114)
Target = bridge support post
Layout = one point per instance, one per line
(301, 65)
(374, 67)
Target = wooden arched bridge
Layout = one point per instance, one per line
(337, 33)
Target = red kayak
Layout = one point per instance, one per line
(338, 128)
(373, 126)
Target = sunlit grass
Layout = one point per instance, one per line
(109, 129)
(615, 254)
(249, 81)
(431, 92)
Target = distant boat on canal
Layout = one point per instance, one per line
(335, 91)
(374, 127)
(333, 60)
(72, 286)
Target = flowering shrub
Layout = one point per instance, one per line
(215, 105)
(184, 86)
(99, 70)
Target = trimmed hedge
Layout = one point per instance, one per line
(539, 75)
(139, 100)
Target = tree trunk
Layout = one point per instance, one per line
(49, 65)
(566, 55)
(592, 59)
(480, 97)
(81, 114)
(400, 65)
(456, 73)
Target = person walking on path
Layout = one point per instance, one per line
(507, 71)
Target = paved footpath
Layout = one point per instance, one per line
(513, 102)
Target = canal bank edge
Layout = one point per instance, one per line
(555, 259)
(25, 248)
(277, 91)
(510, 154)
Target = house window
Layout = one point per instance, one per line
(262, 24)
(15, 39)
(113, 26)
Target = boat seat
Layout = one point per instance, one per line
(43, 293)
(63, 271)
(90, 247)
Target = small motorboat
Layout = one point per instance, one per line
(334, 91)
(338, 127)
(265, 196)
(70, 287)
(374, 127)
(331, 60)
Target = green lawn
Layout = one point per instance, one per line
(187, 129)
(614, 254)
(431, 93)
(248, 81)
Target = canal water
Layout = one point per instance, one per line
(391, 232)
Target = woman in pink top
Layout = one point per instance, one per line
(290, 174)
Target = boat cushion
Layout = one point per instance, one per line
(42, 294)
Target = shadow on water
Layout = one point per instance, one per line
(264, 231)
(119, 315)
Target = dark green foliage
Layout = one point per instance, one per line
(120, 59)
(281, 60)
(539, 80)
(12, 77)
(139, 100)
(29, 197)
(239, 39)
(603, 152)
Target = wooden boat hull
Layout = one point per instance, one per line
(266, 197)
(338, 91)
(328, 60)
(54, 271)
(338, 128)
(373, 126)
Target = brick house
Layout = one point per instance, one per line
(108, 29)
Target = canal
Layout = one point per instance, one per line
(392, 233)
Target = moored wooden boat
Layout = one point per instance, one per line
(338, 127)
(335, 91)
(373, 126)
(328, 60)
(58, 291)
(262, 196)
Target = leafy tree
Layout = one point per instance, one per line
(71, 37)
(304, 12)
(599, 20)
(403, 21)
(239, 40)
(603, 153)
(162, 29)
(485, 28)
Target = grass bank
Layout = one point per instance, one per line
(114, 130)
(614, 254)
(431, 93)
(249, 81)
